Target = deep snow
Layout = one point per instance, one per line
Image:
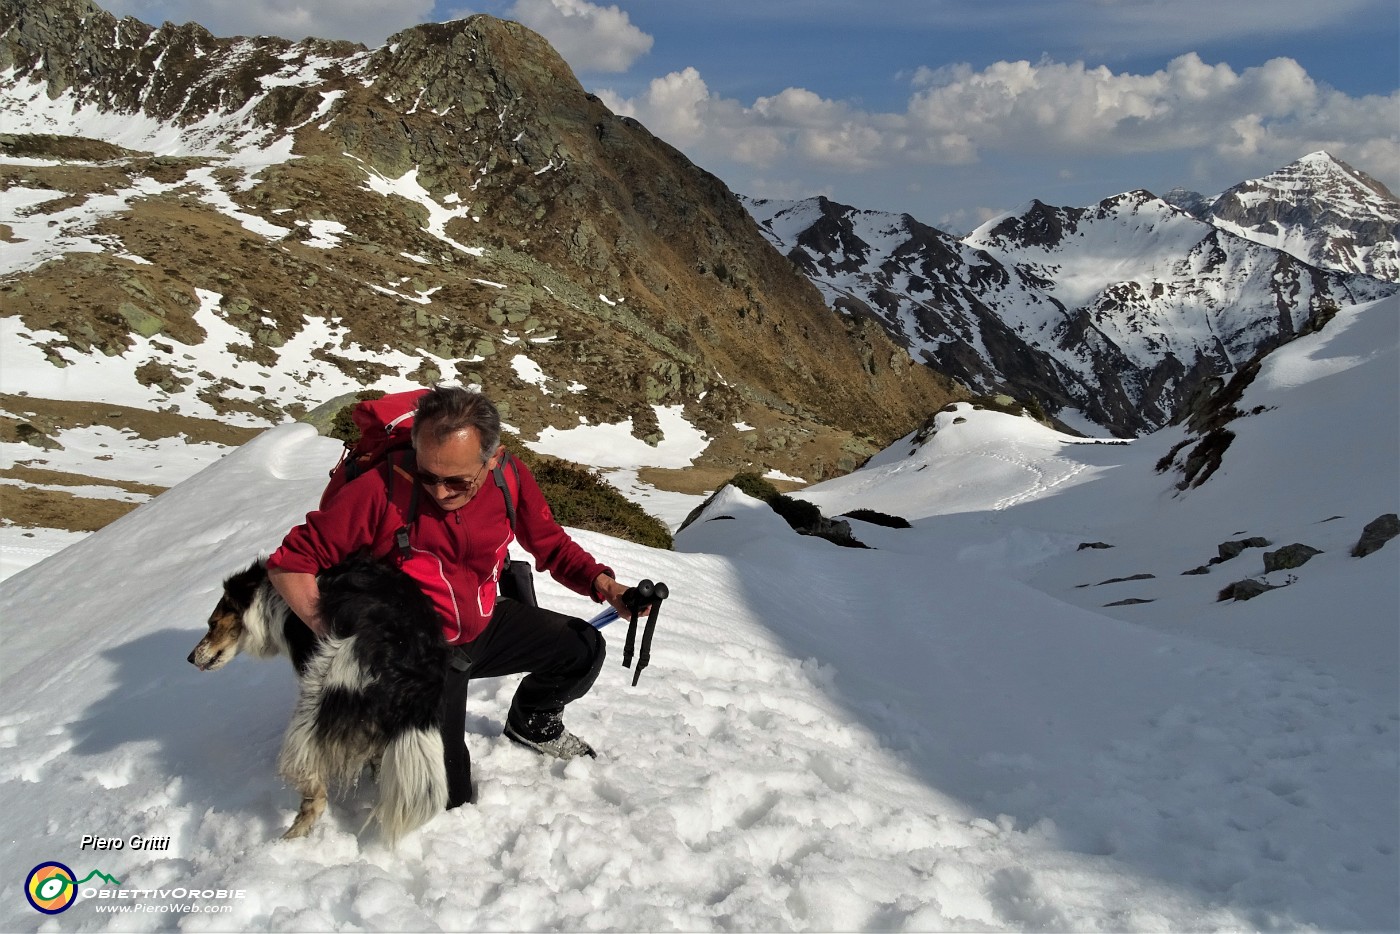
(944, 732)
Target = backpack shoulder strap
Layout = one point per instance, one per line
(395, 467)
(499, 475)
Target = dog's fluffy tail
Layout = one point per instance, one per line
(412, 783)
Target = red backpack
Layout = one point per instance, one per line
(386, 425)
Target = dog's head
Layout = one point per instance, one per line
(226, 624)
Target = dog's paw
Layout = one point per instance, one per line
(297, 830)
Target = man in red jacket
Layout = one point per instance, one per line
(455, 549)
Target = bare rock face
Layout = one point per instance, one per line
(1233, 549)
(483, 207)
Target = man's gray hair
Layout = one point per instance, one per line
(445, 410)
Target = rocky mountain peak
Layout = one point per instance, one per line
(1318, 209)
(1184, 199)
(1037, 223)
(174, 74)
(1328, 170)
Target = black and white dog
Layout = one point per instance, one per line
(368, 694)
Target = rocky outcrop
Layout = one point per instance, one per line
(1289, 557)
(1376, 533)
(1246, 589)
(1233, 549)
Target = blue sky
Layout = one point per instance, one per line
(950, 110)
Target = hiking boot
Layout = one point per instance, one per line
(564, 746)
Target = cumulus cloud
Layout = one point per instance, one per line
(1263, 116)
(588, 36)
(1070, 108)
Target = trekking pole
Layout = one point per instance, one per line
(649, 595)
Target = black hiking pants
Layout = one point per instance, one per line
(562, 655)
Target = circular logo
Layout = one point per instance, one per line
(51, 888)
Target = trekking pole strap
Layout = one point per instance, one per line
(631, 639)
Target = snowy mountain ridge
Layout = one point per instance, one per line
(1110, 314)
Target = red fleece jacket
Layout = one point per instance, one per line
(456, 557)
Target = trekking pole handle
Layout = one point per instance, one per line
(638, 597)
(659, 592)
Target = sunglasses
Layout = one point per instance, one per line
(453, 484)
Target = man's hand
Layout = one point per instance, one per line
(611, 591)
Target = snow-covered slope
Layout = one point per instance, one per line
(940, 733)
(1313, 461)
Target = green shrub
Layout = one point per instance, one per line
(343, 427)
(1031, 406)
(580, 498)
(751, 484)
(798, 513)
(804, 517)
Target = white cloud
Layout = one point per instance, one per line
(588, 36)
(676, 106)
(1263, 116)
(1071, 108)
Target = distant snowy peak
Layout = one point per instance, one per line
(1318, 209)
(1184, 199)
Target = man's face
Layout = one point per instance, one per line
(452, 470)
